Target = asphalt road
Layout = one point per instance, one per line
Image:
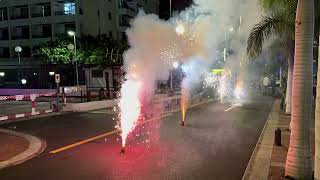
(216, 143)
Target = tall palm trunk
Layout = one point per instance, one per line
(317, 124)
(298, 163)
(289, 86)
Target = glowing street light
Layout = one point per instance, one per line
(73, 34)
(231, 29)
(180, 29)
(2, 74)
(18, 50)
(51, 73)
(23, 81)
(175, 64)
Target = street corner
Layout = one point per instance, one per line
(17, 147)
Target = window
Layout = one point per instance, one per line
(20, 32)
(124, 36)
(4, 34)
(40, 10)
(4, 52)
(69, 8)
(41, 31)
(97, 73)
(3, 14)
(109, 16)
(19, 12)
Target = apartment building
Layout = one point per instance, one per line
(28, 23)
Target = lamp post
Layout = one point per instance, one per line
(72, 33)
(2, 74)
(170, 8)
(18, 50)
(175, 65)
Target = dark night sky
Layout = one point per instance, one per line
(176, 5)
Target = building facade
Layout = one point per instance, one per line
(28, 23)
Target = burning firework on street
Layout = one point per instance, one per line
(184, 105)
(130, 107)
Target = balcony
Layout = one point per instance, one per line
(41, 10)
(19, 12)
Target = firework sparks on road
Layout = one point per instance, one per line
(238, 91)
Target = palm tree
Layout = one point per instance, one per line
(317, 126)
(275, 23)
(298, 164)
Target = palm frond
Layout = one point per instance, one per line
(288, 6)
(273, 24)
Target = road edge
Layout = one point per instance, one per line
(36, 147)
(259, 163)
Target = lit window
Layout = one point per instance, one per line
(70, 8)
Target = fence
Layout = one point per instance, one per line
(19, 106)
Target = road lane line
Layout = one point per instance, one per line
(100, 136)
(233, 106)
(83, 142)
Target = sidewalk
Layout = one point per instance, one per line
(268, 161)
(17, 148)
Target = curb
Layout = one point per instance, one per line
(36, 147)
(259, 163)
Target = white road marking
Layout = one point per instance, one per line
(233, 106)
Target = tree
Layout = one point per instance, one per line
(90, 50)
(299, 163)
(278, 24)
(317, 125)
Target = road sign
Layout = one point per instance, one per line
(57, 78)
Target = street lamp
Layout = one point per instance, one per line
(2, 74)
(72, 33)
(18, 50)
(170, 8)
(23, 81)
(51, 73)
(175, 65)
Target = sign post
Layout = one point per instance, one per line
(57, 80)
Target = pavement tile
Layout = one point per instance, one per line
(11, 146)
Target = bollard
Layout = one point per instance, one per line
(88, 96)
(282, 103)
(101, 94)
(277, 137)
